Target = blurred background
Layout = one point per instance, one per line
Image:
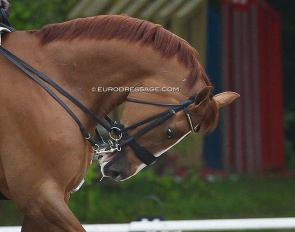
(246, 167)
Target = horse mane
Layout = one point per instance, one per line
(125, 28)
(122, 27)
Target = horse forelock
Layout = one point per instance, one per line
(128, 29)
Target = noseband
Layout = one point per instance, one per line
(118, 133)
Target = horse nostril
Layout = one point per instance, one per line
(114, 174)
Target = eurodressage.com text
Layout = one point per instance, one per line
(136, 89)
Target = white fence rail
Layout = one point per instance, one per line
(188, 225)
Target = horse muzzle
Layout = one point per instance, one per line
(115, 166)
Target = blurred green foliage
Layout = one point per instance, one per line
(188, 197)
(184, 198)
(28, 14)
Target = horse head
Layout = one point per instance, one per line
(199, 114)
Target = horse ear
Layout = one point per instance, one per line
(225, 98)
(203, 96)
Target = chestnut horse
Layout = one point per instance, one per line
(44, 156)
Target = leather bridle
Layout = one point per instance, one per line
(118, 133)
(145, 156)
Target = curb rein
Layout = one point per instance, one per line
(118, 133)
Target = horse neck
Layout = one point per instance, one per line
(84, 67)
(81, 66)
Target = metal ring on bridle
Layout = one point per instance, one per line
(95, 147)
(119, 134)
(88, 137)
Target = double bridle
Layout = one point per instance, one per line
(118, 133)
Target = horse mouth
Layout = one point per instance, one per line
(113, 166)
(106, 158)
(109, 158)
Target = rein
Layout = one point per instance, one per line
(118, 133)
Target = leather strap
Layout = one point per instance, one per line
(3, 17)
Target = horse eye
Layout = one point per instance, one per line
(169, 133)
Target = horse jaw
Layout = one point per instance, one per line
(141, 166)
